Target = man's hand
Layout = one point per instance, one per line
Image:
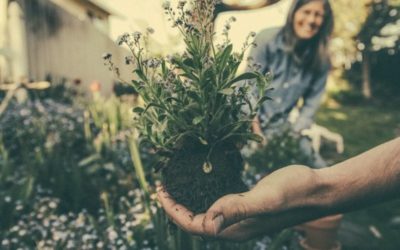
(296, 194)
(245, 215)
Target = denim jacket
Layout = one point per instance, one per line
(290, 80)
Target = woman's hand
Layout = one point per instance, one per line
(245, 215)
(256, 128)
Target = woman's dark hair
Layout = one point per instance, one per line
(313, 53)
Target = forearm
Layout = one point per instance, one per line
(307, 194)
(371, 177)
(297, 194)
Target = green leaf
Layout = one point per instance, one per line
(263, 99)
(171, 98)
(194, 95)
(225, 55)
(152, 104)
(244, 136)
(254, 137)
(244, 76)
(136, 84)
(164, 70)
(140, 74)
(88, 160)
(188, 70)
(138, 110)
(190, 76)
(227, 91)
(197, 120)
(203, 141)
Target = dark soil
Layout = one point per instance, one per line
(185, 180)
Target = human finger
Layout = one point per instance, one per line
(226, 211)
(179, 214)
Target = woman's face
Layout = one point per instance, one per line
(308, 19)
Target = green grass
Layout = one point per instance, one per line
(364, 126)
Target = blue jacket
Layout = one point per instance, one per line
(291, 81)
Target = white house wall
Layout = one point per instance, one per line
(73, 50)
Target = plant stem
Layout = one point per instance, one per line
(280, 239)
(139, 170)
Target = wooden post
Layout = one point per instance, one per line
(17, 42)
(366, 75)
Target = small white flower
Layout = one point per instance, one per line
(86, 237)
(70, 244)
(52, 204)
(122, 218)
(112, 234)
(129, 234)
(46, 222)
(100, 245)
(63, 218)
(22, 232)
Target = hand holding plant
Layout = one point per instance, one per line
(198, 111)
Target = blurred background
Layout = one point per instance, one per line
(71, 173)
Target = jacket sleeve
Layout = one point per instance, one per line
(312, 100)
(258, 59)
(259, 55)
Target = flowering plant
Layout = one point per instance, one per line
(197, 109)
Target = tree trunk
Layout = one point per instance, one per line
(366, 76)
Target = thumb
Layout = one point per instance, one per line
(224, 212)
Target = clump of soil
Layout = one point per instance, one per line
(186, 181)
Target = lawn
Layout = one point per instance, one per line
(363, 126)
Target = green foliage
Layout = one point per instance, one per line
(196, 96)
(364, 25)
(46, 145)
(106, 202)
(381, 14)
(282, 149)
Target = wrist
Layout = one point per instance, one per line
(297, 187)
(326, 191)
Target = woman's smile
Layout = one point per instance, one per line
(308, 19)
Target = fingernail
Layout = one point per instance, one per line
(218, 221)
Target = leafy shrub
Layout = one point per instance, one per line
(41, 226)
(281, 150)
(46, 144)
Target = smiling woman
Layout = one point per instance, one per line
(308, 19)
(297, 56)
